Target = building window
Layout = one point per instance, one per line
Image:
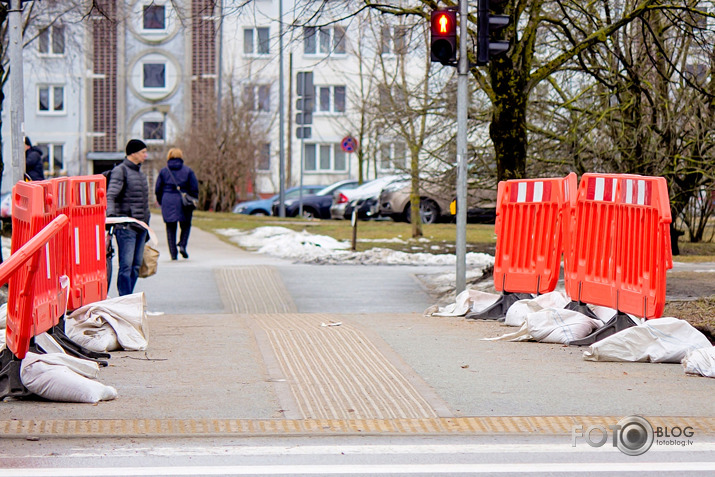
(154, 17)
(264, 157)
(52, 159)
(393, 156)
(256, 41)
(257, 97)
(51, 99)
(52, 40)
(324, 40)
(324, 158)
(153, 130)
(394, 40)
(154, 75)
(331, 99)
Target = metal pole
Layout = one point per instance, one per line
(302, 144)
(220, 63)
(17, 103)
(281, 117)
(462, 106)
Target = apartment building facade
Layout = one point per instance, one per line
(148, 69)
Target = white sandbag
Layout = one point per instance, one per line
(48, 344)
(553, 326)
(603, 312)
(467, 301)
(522, 334)
(662, 340)
(516, 314)
(64, 378)
(560, 326)
(700, 361)
(116, 323)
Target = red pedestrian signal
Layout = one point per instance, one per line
(443, 44)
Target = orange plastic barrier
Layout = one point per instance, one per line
(530, 233)
(86, 204)
(621, 243)
(29, 312)
(34, 206)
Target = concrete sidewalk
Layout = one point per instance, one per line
(245, 343)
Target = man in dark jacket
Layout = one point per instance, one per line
(33, 161)
(128, 196)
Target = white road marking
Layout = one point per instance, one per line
(490, 468)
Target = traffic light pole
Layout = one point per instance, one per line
(462, 107)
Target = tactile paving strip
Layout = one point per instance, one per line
(336, 372)
(257, 289)
(498, 425)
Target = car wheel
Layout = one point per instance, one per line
(429, 212)
(310, 214)
(260, 212)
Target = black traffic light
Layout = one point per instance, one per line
(489, 27)
(443, 32)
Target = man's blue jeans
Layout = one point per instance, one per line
(130, 251)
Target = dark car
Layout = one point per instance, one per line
(263, 206)
(315, 206)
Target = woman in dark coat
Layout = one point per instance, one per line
(172, 210)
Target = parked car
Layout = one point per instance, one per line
(263, 206)
(364, 198)
(315, 206)
(394, 202)
(435, 203)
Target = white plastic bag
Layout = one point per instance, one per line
(64, 378)
(662, 340)
(700, 361)
(467, 301)
(116, 323)
(516, 314)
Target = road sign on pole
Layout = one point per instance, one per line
(349, 144)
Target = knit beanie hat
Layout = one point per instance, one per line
(135, 145)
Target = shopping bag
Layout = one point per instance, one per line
(149, 262)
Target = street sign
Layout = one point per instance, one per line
(349, 144)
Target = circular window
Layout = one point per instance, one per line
(154, 76)
(153, 21)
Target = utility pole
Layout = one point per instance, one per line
(462, 107)
(17, 93)
(281, 119)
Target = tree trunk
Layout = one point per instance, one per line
(508, 126)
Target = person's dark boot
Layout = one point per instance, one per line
(182, 251)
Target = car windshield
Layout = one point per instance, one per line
(333, 187)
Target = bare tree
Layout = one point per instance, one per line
(225, 157)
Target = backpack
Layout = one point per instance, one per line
(108, 175)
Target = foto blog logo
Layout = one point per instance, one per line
(633, 435)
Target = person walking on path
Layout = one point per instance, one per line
(128, 196)
(33, 161)
(174, 179)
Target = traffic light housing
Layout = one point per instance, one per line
(443, 36)
(488, 31)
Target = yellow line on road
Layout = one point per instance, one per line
(488, 425)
